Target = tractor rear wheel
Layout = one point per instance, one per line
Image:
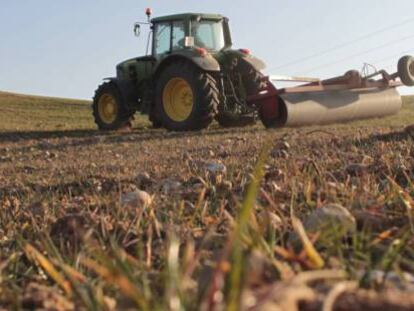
(186, 98)
(156, 124)
(109, 108)
(253, 79)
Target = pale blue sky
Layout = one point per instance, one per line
(65, 48)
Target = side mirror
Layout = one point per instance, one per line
(137, 30)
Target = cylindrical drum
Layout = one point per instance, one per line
(316, 108)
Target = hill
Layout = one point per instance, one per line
(20, 112)
(23, 112)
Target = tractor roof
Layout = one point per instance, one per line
(186, 16)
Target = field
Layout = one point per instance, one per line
(233, 219)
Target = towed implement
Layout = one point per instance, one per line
(191, 76)
(344, 98)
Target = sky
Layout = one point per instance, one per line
(66, 48)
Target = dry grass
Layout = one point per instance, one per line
(67, 241)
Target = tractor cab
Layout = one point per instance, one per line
(189, 76)
(203, 32)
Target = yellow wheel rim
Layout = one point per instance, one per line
(107, 108)
(178, 99)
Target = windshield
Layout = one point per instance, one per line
(208, 34)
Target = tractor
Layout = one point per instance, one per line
(189, 77)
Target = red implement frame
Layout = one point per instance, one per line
(349, 81)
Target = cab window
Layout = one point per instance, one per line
(162, 38)
(208, 34)
(178, 36)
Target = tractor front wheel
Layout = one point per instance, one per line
(109, 108)
(186, 98)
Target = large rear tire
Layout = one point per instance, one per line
(186, 98)
(109, 108)
(406, 70)
(156, 124)
(253, 79)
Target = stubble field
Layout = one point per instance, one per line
(239, 219)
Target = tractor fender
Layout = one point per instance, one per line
(128, 91)
(254, 61)
(206, 63)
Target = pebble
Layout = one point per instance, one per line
(332, 221)
(170, 185)
(144, 180)
(270, 219)
(136, 199)
(216, 168)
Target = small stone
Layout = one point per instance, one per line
(225, 186)
(136, 199)
(284, 145)
(144, 180)
(110, 303)
(375, 220)
(332, 222)
(284, 154)
(276, 187)
(402, 281)
(270, 220)
(170, 185)
(216, 168)
(274, 220)
(50, 155)
(281, 150)
(261, 269)
(29, 169)
(40, 297)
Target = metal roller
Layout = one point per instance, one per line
(316, 108)
(349, 97)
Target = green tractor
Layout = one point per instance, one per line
(190, 77)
